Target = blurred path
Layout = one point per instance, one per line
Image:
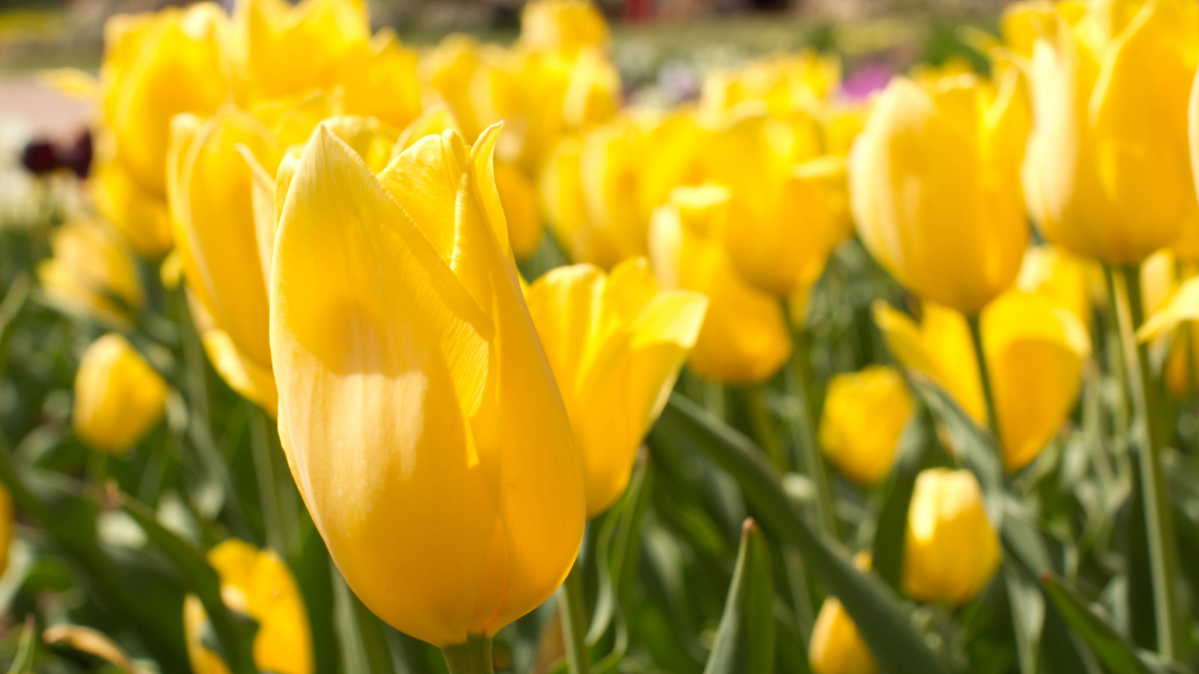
(46, 112)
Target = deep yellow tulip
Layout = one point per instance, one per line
(92, 273)
(118, 396)
(519, 199)
(563, 25)
(616, 343)
(864, 414)
(1174, 309)
(1057, 274)
(140, 215)
(935, 191)
(1107, 173)
(257, 584)
(1035, 350)
(785, 83)
(156, 66)
(418, 412)
(836, 646)
(745, 338)
(950, 548)
(210, 190)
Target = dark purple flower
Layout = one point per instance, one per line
(39, 157)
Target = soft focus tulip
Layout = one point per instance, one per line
(785, 83)
(519, 199)
(1107, 173)
(563, 25)
(836, 646)
(745, 338)
(418, 412)
(257, 584)
(210, 189)
(1057, 274)
(1174, 311)
(864, 415)
(1035, 352)
(935, 191)
(616, 343)
(92, 273)
(950, 548)
(139, 215)
(118, 396)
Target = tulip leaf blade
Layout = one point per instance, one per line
(980, 451)
(26, 655)
(745, 640)
(891, 527)
(619, 549)
(1116, 654)
(867, 600)
(202, 580)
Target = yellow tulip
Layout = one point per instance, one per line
(210, 190)
(1035, 350)
(935, 191)
(257, 584)
(589, 190)
(950, 548)
(1107, 173)
(1174, 309)
(864, 415)
(92, 273)
(118, 396)
(156, 66)
(841, 125)
(417, 410)
(616, 343)
(563, 25)
(519, 199)
(785, 83)
(1055, 273)
(836, 646)
(139, 215)
(745, 338)
(379, 79)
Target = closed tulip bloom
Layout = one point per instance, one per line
(92, 273)
(1035, 350)
(935, 190)
(210, 189)
(156, 66)
(1107, 173)
(118, 396)
(1056, 273)
(837, 647)
(563, 25)
(950, 548)
(519, 200)
(864, 415)
(616, 343)
(257, 584)
(419, 415)
(745, 338)
(138, 214)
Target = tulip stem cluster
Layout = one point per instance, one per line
(984, 374)
(1159, 522)
(572, 607)
(471, 657)
(798, 378)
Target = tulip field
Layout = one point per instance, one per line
(326, 353)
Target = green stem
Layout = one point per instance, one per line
(984, 374)
(763, 426)
(264, 471)
(574, 624)
(472, 657)
(799, 382)
(1159, 522)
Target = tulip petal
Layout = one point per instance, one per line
(1183, 305)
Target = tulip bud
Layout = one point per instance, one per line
(836, 646)
(864, 415)
(418, 412)
(118, 396)
(1107, 174)
(616, 344)
(563, 25)
(257, 584)
(950, 549)
(92, 273)
(934, 184)
(745, 338)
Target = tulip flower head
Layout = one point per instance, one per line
(950, 550)
(836, 646)
(257, 584)
(419, 415)
(745, 338)
(935, 188)
(864, 414)
(118, 396)
(616, 343)
(92, 273)
(563, 25)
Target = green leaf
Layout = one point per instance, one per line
(745, 639)
(918, 436)
(236, 642)
(362, 638)
(619, 550)
(1111, 648)
(26, 650)
(868, 601)
(980, 451)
